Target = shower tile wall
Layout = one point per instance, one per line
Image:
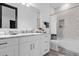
(60, 28)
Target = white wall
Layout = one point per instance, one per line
(27, 16)
(71, 17)
(44, 13)
(65, 6)
(54, 24)
(44, 10)
(71, 26)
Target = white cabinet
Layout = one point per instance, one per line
(3, 52)
(30, 47)
(24, 49)
(9, 51)
(35, 48)
(12, 51)
(37, 45)
(44, 47)
(24, 46)
(9, 47)
(44, 44)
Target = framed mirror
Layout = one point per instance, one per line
(8, 16)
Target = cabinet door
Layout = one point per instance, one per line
(44, 47)
(44, 44)
(2, 52)
(9, 51)
(35, 48)
(12, 51)
(25, 49)
(29, 48)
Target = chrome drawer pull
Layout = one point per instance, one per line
(3, 43)
(31, 47)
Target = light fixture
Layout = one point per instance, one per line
(23, 3)
(28, 5)
(64, 6)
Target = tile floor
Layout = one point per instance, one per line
(53, 53)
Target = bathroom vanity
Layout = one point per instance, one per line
(30, 44)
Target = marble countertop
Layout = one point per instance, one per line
(17, 35)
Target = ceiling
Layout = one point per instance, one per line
(54, 5)
(59, 5)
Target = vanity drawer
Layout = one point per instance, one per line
(3, 43)
(24, 39)
(45, 36)
(12, 41)
(27, 39)
(8, 42)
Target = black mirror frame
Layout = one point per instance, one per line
(9, 6)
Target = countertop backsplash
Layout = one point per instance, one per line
(19, 31)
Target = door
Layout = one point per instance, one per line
(44, 44)
(25, 49)
(12, 51)
(35, 48)
(3, 52)
(44, 47)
